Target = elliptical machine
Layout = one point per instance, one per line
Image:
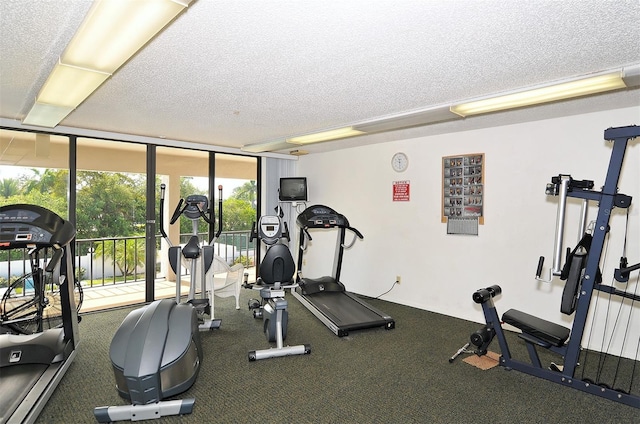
(156, 352)
(275, 276)
(194, 207)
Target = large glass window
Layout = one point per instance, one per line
(111, 197)
(34, 169)
(111, 217)
(186, 172)
(238, 177)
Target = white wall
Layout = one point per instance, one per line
(440, 272)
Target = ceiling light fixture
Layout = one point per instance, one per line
(629, 77)
(325, 136)
(111, 33)
(407, 120)
(267, 146)
(550, 93)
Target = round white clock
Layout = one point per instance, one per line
(399, 162)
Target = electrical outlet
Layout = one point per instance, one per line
(398, 279)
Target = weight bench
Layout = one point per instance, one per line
(536, 330)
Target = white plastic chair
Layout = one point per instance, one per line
(227, 280)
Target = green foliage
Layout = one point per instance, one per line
(127, 254)
(53, 182)
(9, 187)
(110, 204)
(46, 188)
(246, 192)
(237, 215)
(113, 205)
(244, 260)
(53, 203)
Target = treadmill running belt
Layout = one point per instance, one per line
(15, 385)
(343, 310)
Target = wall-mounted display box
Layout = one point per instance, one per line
(463, 187)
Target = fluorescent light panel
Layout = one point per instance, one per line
(44, 115)
(628, 77)
(114, 30)
(577, 88)
(325, 136)
(69, 85)
(111, 33)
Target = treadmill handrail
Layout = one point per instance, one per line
(356, 234)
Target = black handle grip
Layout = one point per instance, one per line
(177, 212)
(540, 265)
(358, 233)
(253, 234)
(219, 211)
(55, 259)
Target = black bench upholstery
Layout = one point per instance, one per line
(547, 331)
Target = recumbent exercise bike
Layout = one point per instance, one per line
(276, 272)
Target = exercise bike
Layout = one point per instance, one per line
(32, 303)
(275, 276)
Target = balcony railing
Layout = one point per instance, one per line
(95, 264)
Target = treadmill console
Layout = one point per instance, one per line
(320, 216)
(32, 226)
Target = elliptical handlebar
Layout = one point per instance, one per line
(253, 235)
(177, 212)
(219, 212)
(285, 233)
(162, 231)
(182, 207)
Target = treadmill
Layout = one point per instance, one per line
(326, 297)
(32, 365)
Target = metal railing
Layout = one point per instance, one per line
(118, 260)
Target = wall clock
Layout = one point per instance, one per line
(399, 162)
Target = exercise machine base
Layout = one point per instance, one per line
(107, 414)
(275, 352)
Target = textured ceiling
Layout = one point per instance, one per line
(232, 73)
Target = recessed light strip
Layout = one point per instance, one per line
(325, 135)
(566, 90)
(111, 33)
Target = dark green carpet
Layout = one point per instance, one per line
(371, 376)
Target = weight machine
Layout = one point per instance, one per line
(582, 274)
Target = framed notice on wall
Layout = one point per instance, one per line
(463, 186)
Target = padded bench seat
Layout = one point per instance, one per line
(544, 330)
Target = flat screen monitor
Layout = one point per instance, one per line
(293, 189)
